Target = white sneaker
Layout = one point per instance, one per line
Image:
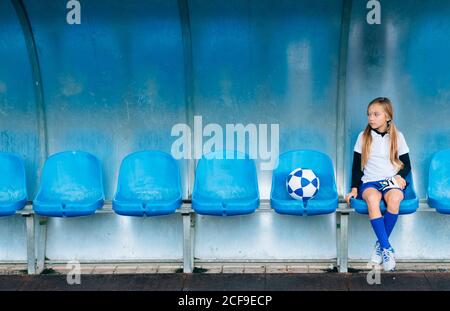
(388, 259)
(377, 254)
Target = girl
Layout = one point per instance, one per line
(380, 166)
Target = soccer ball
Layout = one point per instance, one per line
(302, 184)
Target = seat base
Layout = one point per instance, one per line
(66, 209)
(141, 209)
(225, 208)
(10, 208)
(312, 208)
(441, 205)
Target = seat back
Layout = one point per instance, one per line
(317, 161)
(226, 175)
(439, 175)
(12, 178)
(149, 176)
(71, 176)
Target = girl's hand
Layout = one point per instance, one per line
(352, 194)
(401, 182)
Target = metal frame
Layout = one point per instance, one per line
(342, 215)
(188, 240)
(36, 240)
(36, 230)
(33, 58)
(341, 122)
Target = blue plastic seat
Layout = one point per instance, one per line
(439, 182)
(326, 199)
(149, 185)
(226, 186)
(409, 204)
(13, 191)
(71, 185)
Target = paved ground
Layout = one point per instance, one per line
(225, 278)
(317, 267)
(230, 282)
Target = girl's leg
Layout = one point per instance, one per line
(373, 197)
(393, 199)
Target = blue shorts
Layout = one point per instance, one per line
(375, 185)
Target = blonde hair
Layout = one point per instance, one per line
(386, 105)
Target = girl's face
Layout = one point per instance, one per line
(376, 117)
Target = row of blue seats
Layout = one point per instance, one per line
(149, 184)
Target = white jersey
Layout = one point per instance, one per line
(378, 165)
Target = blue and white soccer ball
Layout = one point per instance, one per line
(302, 184)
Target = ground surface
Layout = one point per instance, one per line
(224, 278)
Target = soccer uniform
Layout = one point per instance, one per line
(378, 166)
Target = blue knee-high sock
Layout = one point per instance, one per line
(389, 222)
(380, 231)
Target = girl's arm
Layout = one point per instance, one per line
(406, 167)
(356, 170)
(356, 177)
